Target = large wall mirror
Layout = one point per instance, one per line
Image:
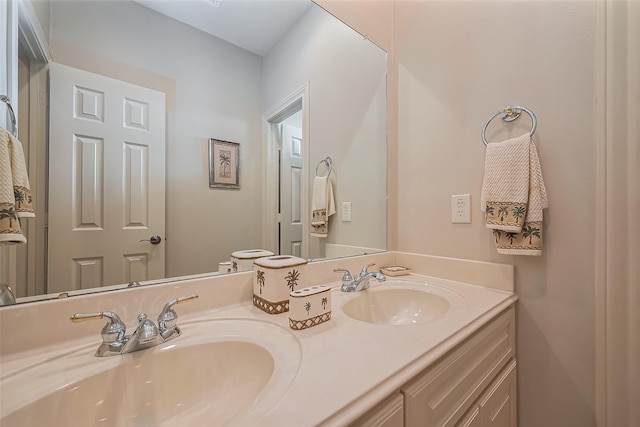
(184, 74)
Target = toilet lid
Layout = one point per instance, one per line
(251, 254)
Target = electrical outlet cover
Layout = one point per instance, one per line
(461, 209)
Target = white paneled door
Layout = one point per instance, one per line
(106, 181)
(291, 191)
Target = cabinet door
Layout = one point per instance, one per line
(444, 392)
(498, 406)
(471, 418)
(387, 414)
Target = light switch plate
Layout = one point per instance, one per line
(461, 209)
(346, 211)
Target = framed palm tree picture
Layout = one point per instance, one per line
(224, 164)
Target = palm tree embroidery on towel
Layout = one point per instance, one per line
(530, 238)
(508, 216)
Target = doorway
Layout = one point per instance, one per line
(290, 186)
(286, 185)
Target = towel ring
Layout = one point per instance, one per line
(6, 100)
(328, 162)
(509, 114)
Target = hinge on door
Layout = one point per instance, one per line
(278, 218)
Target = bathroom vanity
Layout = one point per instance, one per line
(473, 385)
(447, 357)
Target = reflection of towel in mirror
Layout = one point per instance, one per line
(322, 206)
(514, 195)
(15, 193)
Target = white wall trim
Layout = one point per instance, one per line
(276, 114)
(633, 194)
(600, 267)
(32, 33)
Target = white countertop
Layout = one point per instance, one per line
(346, 366)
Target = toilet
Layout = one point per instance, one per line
(243, 260)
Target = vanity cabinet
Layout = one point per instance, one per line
(386, 414)
(443, 393)
(474, 384)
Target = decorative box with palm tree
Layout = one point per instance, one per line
(309, 307)
(274, 278)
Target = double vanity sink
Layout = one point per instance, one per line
(240, 366)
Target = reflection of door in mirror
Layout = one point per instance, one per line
(106, 193)
(290, 236)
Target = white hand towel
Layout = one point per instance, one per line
(517, 224)
(15, 193)
(505, 189)
(322, 206)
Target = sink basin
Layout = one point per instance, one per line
(225, 370)
(401, 303)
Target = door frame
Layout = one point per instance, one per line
(297, 101)
(22, 22)
(617, 273)
(37, 49)
(9, 87)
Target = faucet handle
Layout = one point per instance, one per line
(365, 269)
(147, 331)
(112, 333)
(168, 318)
(346, 277)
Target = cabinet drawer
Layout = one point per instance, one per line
(442, 393)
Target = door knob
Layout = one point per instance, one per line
(154, 240)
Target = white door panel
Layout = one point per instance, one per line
(291, 191)
(106, 191)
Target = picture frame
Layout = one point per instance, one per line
(224, 164)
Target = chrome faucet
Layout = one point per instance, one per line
(7, 297)
(359, 283)
(147, 334)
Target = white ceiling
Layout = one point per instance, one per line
(255, 25)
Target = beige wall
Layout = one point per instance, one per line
(457, 63)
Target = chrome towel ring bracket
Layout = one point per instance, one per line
(6, 100)
(328, 162)
(509, 114)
